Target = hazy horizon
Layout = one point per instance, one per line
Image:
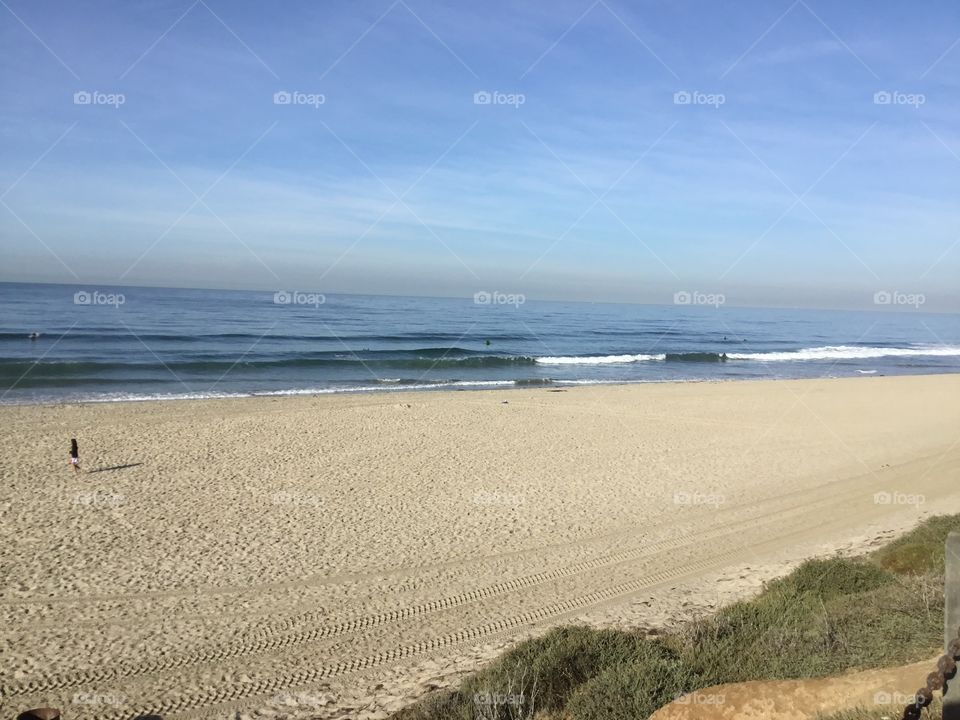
(727, 302)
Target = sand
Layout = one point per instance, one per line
(886, 689)
(337, 556)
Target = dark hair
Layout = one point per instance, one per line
(73, 445)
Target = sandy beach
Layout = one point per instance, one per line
(337, 556)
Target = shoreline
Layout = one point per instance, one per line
(479, 386)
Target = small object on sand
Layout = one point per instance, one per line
(505, 402)
(40, 714)
(74, 455)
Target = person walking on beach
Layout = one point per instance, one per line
(74, 455)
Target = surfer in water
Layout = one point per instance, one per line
(74, 455)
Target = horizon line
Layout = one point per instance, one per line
(467, 297)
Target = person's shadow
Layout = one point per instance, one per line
(115, 467)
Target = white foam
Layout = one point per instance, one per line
(848, 352)
(135, 397)
(598, 360)
(827, 352)
(147, 397)
(472, 383)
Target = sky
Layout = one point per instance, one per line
(794, 153)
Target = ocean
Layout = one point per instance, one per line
(78, 344)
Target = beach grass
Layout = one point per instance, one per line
(921, 551)
(826, 617)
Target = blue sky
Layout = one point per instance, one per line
(783, 181)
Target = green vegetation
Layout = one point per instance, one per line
(826, 617)
(921, 551)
